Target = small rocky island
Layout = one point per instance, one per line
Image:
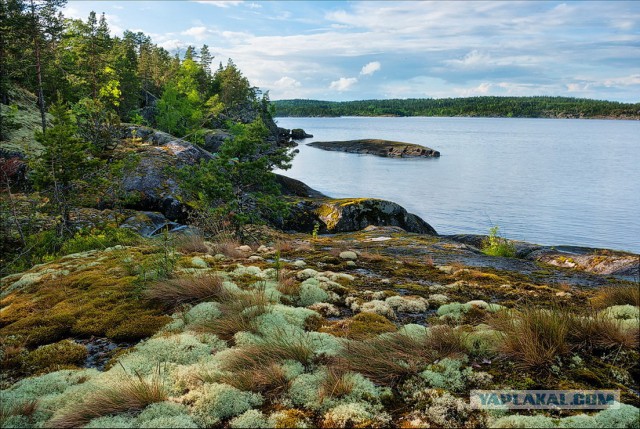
(385, 148)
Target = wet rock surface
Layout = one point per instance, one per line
(100, 351)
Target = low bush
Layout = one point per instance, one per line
(99, 238)
(494, 245)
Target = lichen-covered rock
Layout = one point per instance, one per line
(345, 215)
(349, 255)
(151, 179)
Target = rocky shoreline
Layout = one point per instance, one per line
(378, 147)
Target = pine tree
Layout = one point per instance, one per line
(65, 166)
(238, 187)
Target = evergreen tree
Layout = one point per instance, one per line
(65, 166)
(238, 187)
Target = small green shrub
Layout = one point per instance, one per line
(494, 245)
(99, 238)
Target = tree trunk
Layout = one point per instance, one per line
(36, 47)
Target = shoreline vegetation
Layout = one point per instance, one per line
(485, 107)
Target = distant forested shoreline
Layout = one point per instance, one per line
(507, 107)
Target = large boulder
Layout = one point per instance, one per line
(213, 139)
(152, 180)
(344, 215)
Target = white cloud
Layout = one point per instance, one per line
(199, 33)
(343, 84)
(370, 68)
(623, 81)
(173, 44)
(473, 59)
(482, 89)
(221, 3)
(286, 82)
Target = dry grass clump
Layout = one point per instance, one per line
(25, 408)
(287, 283)
(371, 256)
(336, 384)
(391, 358)
(238, 313)
(270, 379)
(284, 246)
(173, 293)
(533, 337)
(192, 243)
(128, 395)
(598, 332)
(258, 367)
(229, 248)
(617, 295)
(428, 261)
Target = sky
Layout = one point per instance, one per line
(337, 50)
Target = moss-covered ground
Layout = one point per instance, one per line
(299, 334)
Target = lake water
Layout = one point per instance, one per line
(547, 181)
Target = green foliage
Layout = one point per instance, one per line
(517, 107)
(97, 124)
(65, 167)
(495, 245)
(238, 185)
(174, 112)
(99, 238)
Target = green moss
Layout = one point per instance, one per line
(60, 354)
(140, 327)
(361, 326)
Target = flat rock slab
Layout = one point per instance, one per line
(384, 148)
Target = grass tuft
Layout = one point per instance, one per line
(617, 295)
(128, 395)
(173, 293)
(532, 337)
(192, 243)
(238, 313)
(390, 358)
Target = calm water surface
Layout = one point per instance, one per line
(547, 181)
